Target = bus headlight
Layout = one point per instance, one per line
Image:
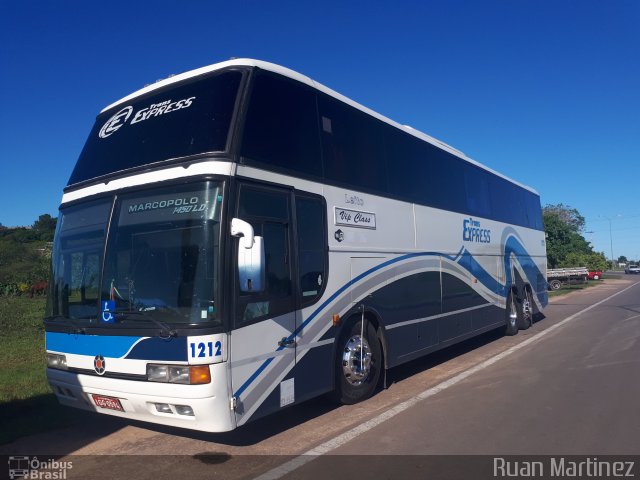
(179, 375)
(57, 361)
(184, 374)
(158, 373)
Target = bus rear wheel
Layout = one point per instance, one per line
(358, 363)
(525, 310)
(511, 327)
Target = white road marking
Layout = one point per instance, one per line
(349, 435)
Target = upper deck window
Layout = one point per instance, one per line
(281, 128)
(174, 122)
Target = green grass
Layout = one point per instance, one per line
(22, 353)
(27, 404)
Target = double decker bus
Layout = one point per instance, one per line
(240, 238)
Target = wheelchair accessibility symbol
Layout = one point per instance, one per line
(108, 310)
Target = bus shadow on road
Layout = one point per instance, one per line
(257, 430)
(439, 357)
(40, 424)
(432, 360)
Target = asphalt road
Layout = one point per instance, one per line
(567, 386)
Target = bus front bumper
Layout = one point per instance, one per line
(197, 407)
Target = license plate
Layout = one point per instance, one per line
(108, 402)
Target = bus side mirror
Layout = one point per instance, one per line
(244, 231)
(251, 266)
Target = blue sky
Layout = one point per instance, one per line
(546, 92)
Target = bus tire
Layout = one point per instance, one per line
(511, 316)
(358, 363)
(525, 310)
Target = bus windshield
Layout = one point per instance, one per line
(177, 121)
(160, 260)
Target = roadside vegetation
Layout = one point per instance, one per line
(25, 253)
(27, 404)
(566, 245)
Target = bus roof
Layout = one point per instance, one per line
(272, 67)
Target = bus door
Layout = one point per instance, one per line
(262, 340)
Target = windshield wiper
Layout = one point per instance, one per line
(77, 327)
(166, 331)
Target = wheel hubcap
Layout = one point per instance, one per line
(526, 307)
(356, 360)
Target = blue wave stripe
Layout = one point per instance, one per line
(464, 258)
(156, 348)
(469, 263)
(338, 292)
(531, 270)
(108, 346)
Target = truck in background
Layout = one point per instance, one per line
(556, 277)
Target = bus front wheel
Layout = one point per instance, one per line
(358, 363)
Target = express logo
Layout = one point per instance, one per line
(115, 122)
(99, 364)
(472, 232)
(152, 111)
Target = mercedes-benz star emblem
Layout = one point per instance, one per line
(99, 364)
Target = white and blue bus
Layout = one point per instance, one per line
(239, 238)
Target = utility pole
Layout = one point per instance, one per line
(611, 241)
(611, 237)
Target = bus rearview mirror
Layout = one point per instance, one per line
(251, 266)
(250, 257)
(243, 230)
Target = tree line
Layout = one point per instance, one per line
(25, 255)
(566, 246)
